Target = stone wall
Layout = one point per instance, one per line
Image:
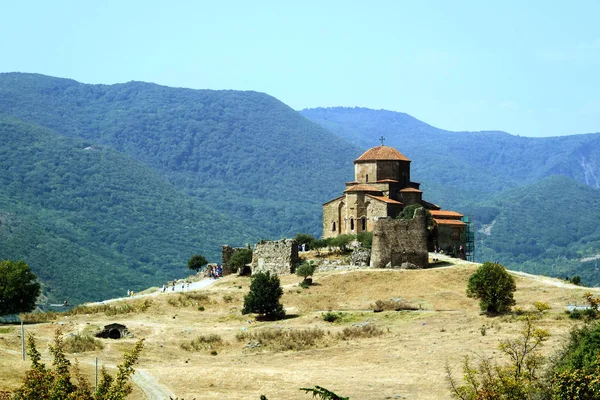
(278, 257)
(400, 243)
(226, 253)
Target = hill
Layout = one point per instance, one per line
(403, 356)
(92, 222)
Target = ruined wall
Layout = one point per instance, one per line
(226, 253)
(279, 257)
(400, 243)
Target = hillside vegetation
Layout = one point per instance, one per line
(199, 345)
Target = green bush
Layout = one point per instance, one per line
(494, 287)
(332, 316)
(263, 298)
(365, 238)
(239, 259)
(305, 270)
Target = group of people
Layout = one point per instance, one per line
(184, 284)
(215, 271)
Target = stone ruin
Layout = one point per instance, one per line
(114, 331)
(278, 257)
(226, 253)
(400, 243)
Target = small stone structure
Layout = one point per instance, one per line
(114, 331)
(278, 257)
(400, 243)
(226, 253)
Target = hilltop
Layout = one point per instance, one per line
(406, 360)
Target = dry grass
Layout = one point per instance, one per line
(123, 307)
(406, 361)
(77, 343)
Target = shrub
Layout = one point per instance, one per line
(365, 238)
(332, 316)
(494, 287)
(283, 340)
(263, 298)
(541, 306)
(392, 305)
(576, 280)
(307, 239)
(203, 342)
(360, 331)
(227, 298)
(196, 262)
(305, 270)
(78, 343)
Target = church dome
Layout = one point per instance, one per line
(381, 153)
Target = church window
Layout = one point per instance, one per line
(364, 223)
(367, 177)
(333, 228)
(352, 224)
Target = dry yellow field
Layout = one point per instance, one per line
(407, 361)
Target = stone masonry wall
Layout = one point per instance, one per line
(279, 257)
(400, 243)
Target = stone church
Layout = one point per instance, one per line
(381, 188)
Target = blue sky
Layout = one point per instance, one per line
(531, 68)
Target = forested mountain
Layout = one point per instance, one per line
(123, 183)
(92, 222)
(526, 216)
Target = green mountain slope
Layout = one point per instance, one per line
(547, 227)
(244, 152)
(91, 222)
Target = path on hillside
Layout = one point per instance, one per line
(201, 284)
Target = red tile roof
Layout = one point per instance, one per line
(382, 153)
(362, 187)
(445, 214)
(409, 189)
(385, 199)
(448, 222)
(387, 181)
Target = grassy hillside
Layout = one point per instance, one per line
(92, 222)
(403, 356)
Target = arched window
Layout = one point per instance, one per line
(333, 227)
(364, 223)
(352, 224)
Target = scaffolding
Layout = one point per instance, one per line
(469, 238)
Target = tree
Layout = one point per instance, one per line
(494, 287)
(305, 270)
(19, 288)
(196, 262)
(263, 298)
(239, 259)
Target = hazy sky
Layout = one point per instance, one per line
(530, 68)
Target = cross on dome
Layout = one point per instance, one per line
(382, 139)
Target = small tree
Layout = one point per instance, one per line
(494, 287)
(305, 270)
(365, 238)
(263, 298)
(196, 262)
(239, 259)
(19, 288)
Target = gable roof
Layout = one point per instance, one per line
(381, 153)
(445, 214)
(385, 199)
(452, 222)
(362, 187)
